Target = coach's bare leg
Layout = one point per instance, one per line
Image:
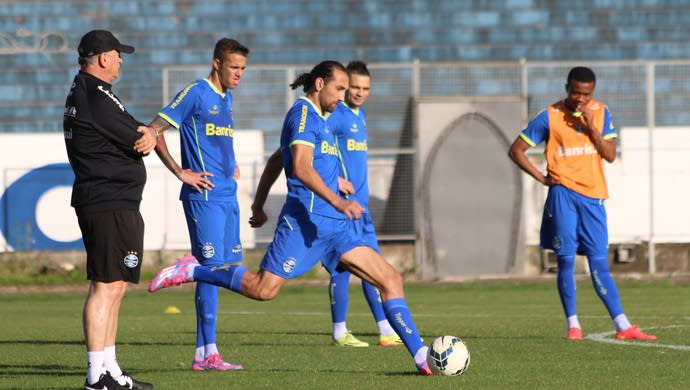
(262, 286)
(114, 320)
(369, 265)
(98, 313)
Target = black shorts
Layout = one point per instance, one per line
(114, 242)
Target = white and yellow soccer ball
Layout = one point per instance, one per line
(449, 356)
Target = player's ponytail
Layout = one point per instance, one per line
(302, 79)
(323, 70)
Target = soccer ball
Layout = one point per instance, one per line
(448, 355)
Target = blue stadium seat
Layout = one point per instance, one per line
(168, 32)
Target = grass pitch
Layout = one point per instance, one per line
(515, 332)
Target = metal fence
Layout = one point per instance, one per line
(639, 93)
(646, 94)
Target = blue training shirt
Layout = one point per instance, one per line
(349, 127)
(304, 124)
(203, 115)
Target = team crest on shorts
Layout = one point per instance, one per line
(556, 242)
(208, 250)
(131, 260)
(289, 264)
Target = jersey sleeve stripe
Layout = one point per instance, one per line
(302, 142)
(526, 139)
(169, 120)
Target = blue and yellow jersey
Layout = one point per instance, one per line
(304, 124)
(349, 127)
(571, 158)
(203, 114)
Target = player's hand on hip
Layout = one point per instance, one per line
(199, 180)
(550, 181)
(147, 141)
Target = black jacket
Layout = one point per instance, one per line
(99, 136)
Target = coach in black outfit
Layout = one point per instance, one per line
(105, 145)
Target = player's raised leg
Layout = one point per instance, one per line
(261, 285)
(370, 266)
(387, 335)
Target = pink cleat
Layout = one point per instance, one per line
(634, 333)
(215, 363)
(575, 334)
(175, 274)
(198, 365)
(424, 369)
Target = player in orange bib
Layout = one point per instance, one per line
(578, 133)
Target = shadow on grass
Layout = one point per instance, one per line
(42, 342)
(10, 370)
(53, 370)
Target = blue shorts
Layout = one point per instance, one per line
(364, 228)
(214, 231)
(301, 240)
(574, 224)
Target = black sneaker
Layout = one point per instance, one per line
(106, 382)
(132, 383)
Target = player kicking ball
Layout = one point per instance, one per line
(347, 123)
(314, 223)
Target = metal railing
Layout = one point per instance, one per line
(650, 94)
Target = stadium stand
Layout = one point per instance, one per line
(38, 39)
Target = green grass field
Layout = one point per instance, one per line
(514, 330)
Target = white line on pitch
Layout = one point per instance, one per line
(604, 337)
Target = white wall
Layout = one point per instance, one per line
(628, 206)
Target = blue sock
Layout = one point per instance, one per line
(398, 315)
(374, 299)
(566, 284)
(199, 323)
(338, 292)
(604, 284)
(228, 276)
(206, 311)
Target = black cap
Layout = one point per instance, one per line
(100, 41)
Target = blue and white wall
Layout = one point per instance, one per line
(36, 188)
(35, 212)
